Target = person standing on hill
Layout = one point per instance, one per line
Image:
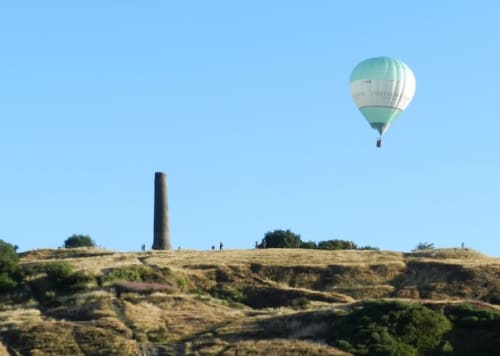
(221, 246)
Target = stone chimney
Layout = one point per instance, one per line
(161, 238)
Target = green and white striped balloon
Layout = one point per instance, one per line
(382, 88)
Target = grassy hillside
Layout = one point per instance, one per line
(266, 301)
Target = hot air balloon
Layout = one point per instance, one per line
(382, 88)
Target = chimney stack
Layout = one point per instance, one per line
(161, 238)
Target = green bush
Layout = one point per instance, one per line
(126, 274)
(58, 271)
(78, 281)
(309, 245)
(11, 273)
(476, 330)
(79, 241)
(447, 348)
(61, 276)
(6, 282)
(141, 274)
(368, 247)
(228, 293)
(424, 246)
(336, 245)
(60, 279)
(391, 328)
(281, 239)
(138, 273)
(181, 283)
(469, 316)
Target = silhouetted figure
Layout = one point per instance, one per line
(221, 246)
(143, 247)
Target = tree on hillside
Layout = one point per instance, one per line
(281, 239)
(336, 245)
(424, 246)
(392, 328)
(10, 271)
(79, 241)
(309, 245)
(368, 247)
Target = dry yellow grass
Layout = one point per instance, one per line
(305, 257)
(296, 294)
(358, 274)
(95, 260)
(280, 257)
(178, 315)
(18, 316)
(457, 256)
(3, 350)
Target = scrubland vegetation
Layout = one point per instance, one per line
(90, 301)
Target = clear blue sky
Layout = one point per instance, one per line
(246, 106)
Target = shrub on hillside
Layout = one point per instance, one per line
(10, 272)
(391, 328)
(79, 241)
(228, 293)
(476, 330)
(424, 246)
(467, 315)
(59, 279)
(62, 277)
(281, 239)
(368, 247)
(308, 245)
(133, 278)
(58, 271)
(336, 245)
(137, 273)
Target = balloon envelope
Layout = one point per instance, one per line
(382, 88)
